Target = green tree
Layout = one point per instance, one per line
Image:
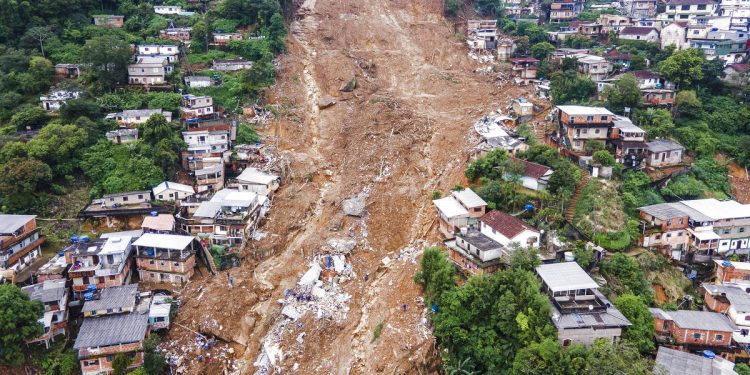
(637, 62)
(246, 135)
(624, 93)
(154, 362)
(626, 276)
(73, 109)
(491, 318)
(584, 256)
(683, 67)
(156, 129)
(542, 50)
(436, 275)
(687, 104)
(29, 117)
(18, 322)
(656, 122)
(567, 87)
(38, 78)
(109, 57)
(59, 146)
(604, 158)
(21, 182)
(742, 369)
(277, 33)
(120, 363)
(487, 165)
(641, 332)
(524, 258)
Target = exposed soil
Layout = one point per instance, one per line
(402, 133)
(739, 180)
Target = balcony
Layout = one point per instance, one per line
(587, 303)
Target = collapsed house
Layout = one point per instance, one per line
(228, 218)
(497, 132)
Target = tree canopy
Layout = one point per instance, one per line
(18, 322)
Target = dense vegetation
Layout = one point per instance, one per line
(501, 324)
(42, 154)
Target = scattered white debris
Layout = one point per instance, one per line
(355, 206)
(290, 312)
(311, 275)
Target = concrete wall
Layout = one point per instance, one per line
(587, 336)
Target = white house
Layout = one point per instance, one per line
(134, 117)
(674, 34)
(535, 176)
(683, 10)
(156, 49)
(507, 230)
(197, 81)
(168, 9)
(196, 106)
(252, 179)
(55, 99)
(168, 191)
(648, 34)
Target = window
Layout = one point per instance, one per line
(719, 338)
(124, 199)
(176, 264)
(679, 234)
(683, 16)
(161, 196)
(697, 336)
(566, 342)
(672, 7)
(682, 221)
(658, 236)
(91, 362)
(669, 223)
(590, 118)
(701, 6)
(109, 311)
(596, 131)
(585, 131)
(112, 277)
(685, 7)
(140, 196)
(728, 230)
(741, 230)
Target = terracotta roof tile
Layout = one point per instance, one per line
(509, 226)
(533, 170)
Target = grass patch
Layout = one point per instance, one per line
(229, 95)
(376, 333)
(208, 57)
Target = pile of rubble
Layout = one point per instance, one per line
(483, 58)
(317, 292)
(182, 355)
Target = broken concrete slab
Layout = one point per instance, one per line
(349, 86)
(339, 263)
(290, 312)
(326, 102)
(311, 276)
(355, 206)
(341, 245)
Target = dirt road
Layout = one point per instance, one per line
(403, 133)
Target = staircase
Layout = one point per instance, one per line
(570, 211)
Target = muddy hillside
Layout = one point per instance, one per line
(376, 100)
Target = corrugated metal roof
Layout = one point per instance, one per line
(469, 198)
(565, 276)
(704, 320)
(112, 330)
(675, 362)
(11, 223)
(113, 298)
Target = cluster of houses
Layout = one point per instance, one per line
(719, 29)
(696, 230)
(102, 279)
(481, 241)
(579, 125)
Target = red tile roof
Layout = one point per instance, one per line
(739, 68)
(636, 30)
(533, 170)
(509, 226)
(645, 74)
